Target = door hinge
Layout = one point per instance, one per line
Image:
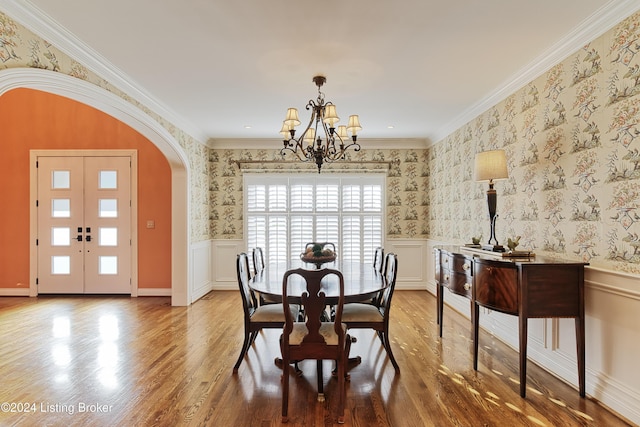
(36, 242)
(37, 281)
(36, 164)
(36, 203)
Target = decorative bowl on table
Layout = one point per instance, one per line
(318, 256)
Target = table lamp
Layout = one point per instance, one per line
(491, 166)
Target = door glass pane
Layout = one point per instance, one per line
(108, 265)
(60, 236)
(61, 208)
(60, 179)
(108, 236)
(108, 180)
(108, 208)
(60, 264)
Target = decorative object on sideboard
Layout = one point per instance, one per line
(491, 166)
(475, 242)
(323, 119)
(512, 244)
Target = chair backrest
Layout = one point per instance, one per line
(378, 259)
(313, 304)
(390, 274)
(249, 301)
(258, 260)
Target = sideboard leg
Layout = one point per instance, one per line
(523, 355)
(475, 319)
(580, 354)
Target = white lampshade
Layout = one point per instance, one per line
(292, 119)
(330, 115)
(491, 165)
(342, 132)
(309, 136)
(354, 124)
(284, 131)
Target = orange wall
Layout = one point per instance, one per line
(31, 119)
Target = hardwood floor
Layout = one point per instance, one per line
(104, 361)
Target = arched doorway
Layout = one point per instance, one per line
(109, 103)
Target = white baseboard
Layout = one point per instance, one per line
(14, 292)
(154, 292)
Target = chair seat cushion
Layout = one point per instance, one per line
(327, 330)
(273, 313)
(358, 312)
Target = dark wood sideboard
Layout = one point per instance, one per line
(530, 287)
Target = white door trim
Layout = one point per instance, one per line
(33, 212)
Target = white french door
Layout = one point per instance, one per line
(84, 224)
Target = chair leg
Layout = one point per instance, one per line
(342, 388)
(254, 334)
(387, 346)
(285, 390)
(245, 347)
(320, 381)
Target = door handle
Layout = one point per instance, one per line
(79, 238)
(88, 239)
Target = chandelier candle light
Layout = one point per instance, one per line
(491, 166)
(310, 146)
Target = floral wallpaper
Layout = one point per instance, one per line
(407, 182)
(19, 47)
(572, 139)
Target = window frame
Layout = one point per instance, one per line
(362, 180)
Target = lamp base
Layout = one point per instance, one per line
(493, 248)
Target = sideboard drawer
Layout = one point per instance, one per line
(461, 284)
(496, 285)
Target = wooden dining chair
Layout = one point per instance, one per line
(376, 316)
(314, 338)
(256, 317)
(258, 260)
(378, 259)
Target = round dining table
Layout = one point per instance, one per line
(361, 281)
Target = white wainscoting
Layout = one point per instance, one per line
(612, 308)
(200, 270)
(224, 253)
(412, 269)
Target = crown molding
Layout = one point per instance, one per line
(601, 21)
(33, 18)
(276, 144)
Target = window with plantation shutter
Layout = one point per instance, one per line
(284, 213)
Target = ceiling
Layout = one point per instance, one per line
(412, 69)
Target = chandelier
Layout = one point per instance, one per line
(310, 145)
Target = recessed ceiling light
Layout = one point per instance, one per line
(390, 127)
(247, 126)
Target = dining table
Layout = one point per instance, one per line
(362, 282)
